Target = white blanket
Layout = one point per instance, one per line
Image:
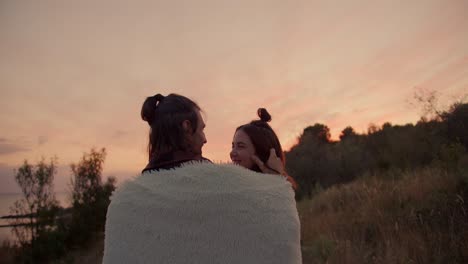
(203, 213)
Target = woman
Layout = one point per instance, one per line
(255, 146)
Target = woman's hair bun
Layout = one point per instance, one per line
(264, 115)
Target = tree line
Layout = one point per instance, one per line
(43, 229)
(317, 162)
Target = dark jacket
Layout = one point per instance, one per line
(172, 160)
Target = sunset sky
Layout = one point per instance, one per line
(74, 74)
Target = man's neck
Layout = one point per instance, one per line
(172, 160)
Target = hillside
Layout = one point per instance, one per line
(418, 216)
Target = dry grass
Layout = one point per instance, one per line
(399, 217)
(90, 253)
(7, 252)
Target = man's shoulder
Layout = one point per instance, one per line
(199, 177)
(205, 169)
(167, 164)
(220, 174)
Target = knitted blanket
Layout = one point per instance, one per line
(203, 213)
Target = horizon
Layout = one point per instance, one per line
(123, 176)
(73, 76)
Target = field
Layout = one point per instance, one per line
(396, 217)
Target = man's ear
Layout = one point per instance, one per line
(187, 126)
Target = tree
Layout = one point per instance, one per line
(35, 212)
(348, 132)
(456, 119)
(309, 160)
(317, 132)
(90, 197)
(373, 128)
(387, 126)
(428, 101)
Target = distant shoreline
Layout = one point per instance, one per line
(20, 193)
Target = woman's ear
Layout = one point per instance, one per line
(187, 126)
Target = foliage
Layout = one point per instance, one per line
(406, 216)
(456, 120)
(90, 196)
(318, 133)
(347, 133)
(35, 214)
(320, 249)
(44, 230)
(428, 102)
(318, 160)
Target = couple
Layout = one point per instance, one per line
(185, 209)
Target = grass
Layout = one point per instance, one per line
(395, 217)
(90, 253)
(416, 216)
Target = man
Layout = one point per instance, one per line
(185, 209)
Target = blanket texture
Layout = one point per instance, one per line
(203, 213)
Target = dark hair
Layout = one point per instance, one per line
(165, 115)
(263, 137)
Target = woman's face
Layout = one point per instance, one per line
(242, 150)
